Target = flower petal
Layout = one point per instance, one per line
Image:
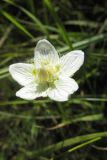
(45, 53)
(22, 73)
(30, 92)
(63, 88)
(71, 62)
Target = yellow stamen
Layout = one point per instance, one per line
(47, 74)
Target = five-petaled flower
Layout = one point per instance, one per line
(49, 75)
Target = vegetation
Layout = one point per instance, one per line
(43, 129)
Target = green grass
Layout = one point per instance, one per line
(43, 129)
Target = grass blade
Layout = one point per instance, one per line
(16, 23)
(39, 24)
(61, 29)
(84, 144)
(65, 143)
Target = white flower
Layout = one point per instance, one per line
(49, 75)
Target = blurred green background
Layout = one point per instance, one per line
(44, 129)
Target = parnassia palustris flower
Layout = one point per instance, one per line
(49, 75)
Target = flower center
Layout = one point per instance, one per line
(48, 74)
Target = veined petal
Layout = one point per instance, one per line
(63, 88)
(30, 92)
(71, 62)
(69, 85)
(45, 53)
(22, 73)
